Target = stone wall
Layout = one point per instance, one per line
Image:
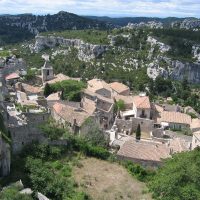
(130, 126)
(5, 158)
(28, 133)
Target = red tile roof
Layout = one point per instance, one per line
(141, 102)
(12, 76)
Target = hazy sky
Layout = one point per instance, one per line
(160, 8)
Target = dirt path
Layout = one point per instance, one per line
(106, 181)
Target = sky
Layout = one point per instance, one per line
(112, 8)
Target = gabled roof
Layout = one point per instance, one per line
(141, 150)
(118, 87)
(54, 97)
(69, 114)
(61, 77)
(126, 99)
(97, 84)
(174, 117)
(141, 102)
(195, 123)
(12, 76)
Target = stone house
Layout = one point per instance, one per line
(101, 107)
(174, 120)
(70, 117)
(28, 89)
(196, 140)
(119, 89)
(146, 153)
(141, 106)
(100, 87)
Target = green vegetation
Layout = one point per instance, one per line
(180, 40)
(93, 134)
(12, 193)
(181, 92)
(3, 130)
(4, 53)
(13, 34)
(52, 131)
(138, 132)
(179, 177)
(31, 74)
(90, 36)
(71, 89)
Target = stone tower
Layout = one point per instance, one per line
(47, 72)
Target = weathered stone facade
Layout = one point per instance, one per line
(28, 133)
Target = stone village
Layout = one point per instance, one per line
(24, 107)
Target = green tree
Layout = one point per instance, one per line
(47, 90)
(138, 132)
(119, 106)
(179, 178)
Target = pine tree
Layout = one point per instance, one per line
(47, 90)
(138, 132)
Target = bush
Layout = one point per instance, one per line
(137, 171)
(178, 178)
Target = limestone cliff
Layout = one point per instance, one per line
(86, 51)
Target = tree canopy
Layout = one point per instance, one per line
(178, 178)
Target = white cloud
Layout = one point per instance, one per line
(162, 8)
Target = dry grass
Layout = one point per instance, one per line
(107, 181)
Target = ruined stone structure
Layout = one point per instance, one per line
(29, 132)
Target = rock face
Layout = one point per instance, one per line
(5, 158)
(189, 70)
(86, 51)
(150, 24)
(196, 52)
(187, 24)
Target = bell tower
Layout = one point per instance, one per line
(47, 72)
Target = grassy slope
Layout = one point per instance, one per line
(104, 180)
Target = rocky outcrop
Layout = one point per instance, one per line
(162, 47)
(150, 24)
(5, 157)
(196, 52)
(187, 24)
(181, 70)
(174, 69)
(86, 51)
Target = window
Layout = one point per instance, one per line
(47, 72)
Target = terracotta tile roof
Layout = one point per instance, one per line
(118, 87)
(97, 84)
(197, 135)
(174, 117)
(158, 108)
(126, 99)
(61, 77)
(69, 114)
(89, 105)
(90, 93)
(12, 76)
(54, 97)
(141, 102)
(31, 89)
(195, 123)
(148, 151)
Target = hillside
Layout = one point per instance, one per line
(17, 28)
